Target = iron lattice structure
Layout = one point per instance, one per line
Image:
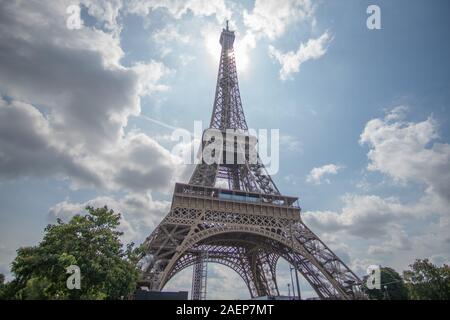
(247, 226)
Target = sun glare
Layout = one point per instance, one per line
(240, 52)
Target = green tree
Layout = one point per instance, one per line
(426, 281)
(92, 242)
(2, 286)
(392, 286)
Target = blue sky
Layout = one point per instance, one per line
(363, 116)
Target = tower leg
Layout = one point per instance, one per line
(264, 273)
(199, 277)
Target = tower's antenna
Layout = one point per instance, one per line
(227, 26)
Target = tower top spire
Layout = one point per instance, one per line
(227, 37)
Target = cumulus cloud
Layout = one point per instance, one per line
(170, 33)
(149, 75)
(178, 8)
(397, 240)
(271, 18)
(292, 60)
(65, 71)
(68, 100)
(365, 216)
(408, 151)
(167, 36)
(316, 175)
(27, 147)
(75, 74)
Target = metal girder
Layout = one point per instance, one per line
(264, 272)
(200, 276)
(250, 245)
(228, 113)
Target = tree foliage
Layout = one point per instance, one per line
(426, 281)
(92, 242)
(2, 285)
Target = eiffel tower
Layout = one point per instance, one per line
(246, 226)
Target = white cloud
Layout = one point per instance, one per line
(364, 216)
(75, 74)
(178, 8)
(291, 61)
(397, 113)
(28, 147)
(167, 36)
(317, 174)
(149, 75)
(397, 240)
(391, 231)
(271, 18)
(69, 101)
(170, 33)
(409, 152)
